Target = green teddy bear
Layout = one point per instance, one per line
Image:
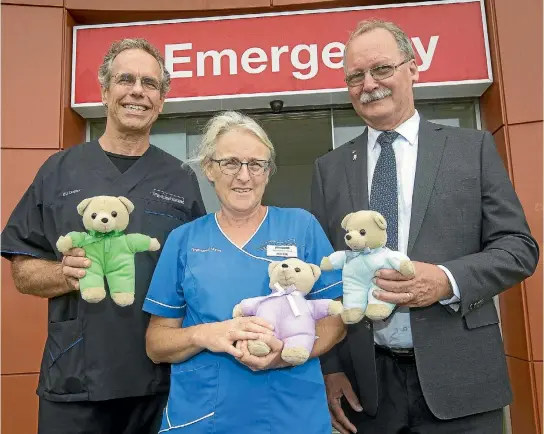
(110, 250)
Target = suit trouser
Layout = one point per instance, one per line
(402, 408)
(137, 415)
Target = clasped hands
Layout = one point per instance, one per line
(231, 337)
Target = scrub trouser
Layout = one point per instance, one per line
(137, 415)
(402, 408)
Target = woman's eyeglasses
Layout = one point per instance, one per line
(231, 166)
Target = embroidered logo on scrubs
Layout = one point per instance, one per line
(168, 196)
(209, 249)
(67, 193)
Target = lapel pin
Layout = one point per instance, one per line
(354, 156)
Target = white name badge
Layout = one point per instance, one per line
(282, 251)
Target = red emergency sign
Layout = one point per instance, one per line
(291, 53)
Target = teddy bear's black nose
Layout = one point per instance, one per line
(104, 220)
(348, 237)
(284, 266)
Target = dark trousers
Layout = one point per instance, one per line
(138, 415)
(403, 410)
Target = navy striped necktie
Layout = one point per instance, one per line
(383, 192)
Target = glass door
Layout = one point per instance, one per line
(299, 139)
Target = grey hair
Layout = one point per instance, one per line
(403, 41)
(221, 124)
(104, 72)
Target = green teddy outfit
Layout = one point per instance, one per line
(112, 256)
(110, 251)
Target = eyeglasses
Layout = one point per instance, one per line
(380, 72)
(129, 80)
(231, 166)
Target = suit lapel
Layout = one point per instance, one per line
(431, 141)
(356, 171)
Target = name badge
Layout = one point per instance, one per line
(282, 251)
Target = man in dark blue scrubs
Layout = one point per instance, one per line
(95, 375)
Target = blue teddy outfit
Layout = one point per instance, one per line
(358, 269)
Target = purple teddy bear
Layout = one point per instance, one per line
(286, 308)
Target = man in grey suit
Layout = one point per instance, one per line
(437, 364)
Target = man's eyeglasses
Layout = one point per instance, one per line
(380, 72)
(129, 80)
(231, 166)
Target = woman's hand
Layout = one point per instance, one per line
(220, 337)
(272, 360)
(73, 266)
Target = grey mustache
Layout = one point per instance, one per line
(375, 95)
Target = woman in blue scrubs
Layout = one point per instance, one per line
(210, 265)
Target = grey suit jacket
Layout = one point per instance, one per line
(465, 216)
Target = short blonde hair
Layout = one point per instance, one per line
(221, 124)
(403, 41)
(104, 72)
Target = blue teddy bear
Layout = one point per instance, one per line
(366, 236)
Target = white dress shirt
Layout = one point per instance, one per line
(396, 331)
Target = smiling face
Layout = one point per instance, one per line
(133, 103)
(241, 193)
(387, 103)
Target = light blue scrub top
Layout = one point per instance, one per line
(201, 276)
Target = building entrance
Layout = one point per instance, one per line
(299, 137)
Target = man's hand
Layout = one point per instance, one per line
(338, 385)
(73, 267)
(429, 285)
(272, 360)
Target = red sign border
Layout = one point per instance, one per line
(433, 90)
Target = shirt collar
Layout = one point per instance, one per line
(409, 129)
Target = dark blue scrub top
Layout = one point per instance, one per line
(97, 351)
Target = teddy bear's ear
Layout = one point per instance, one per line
(83, 204)
(129, 205)
(380, 220)
(272, 265)
(345, 220)
(315, 270)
